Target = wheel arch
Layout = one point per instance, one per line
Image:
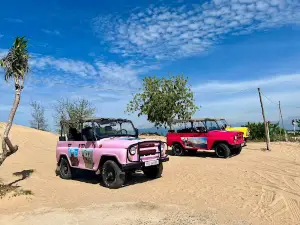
(65, 157)
(219, 142)
(104, 158)
(177, 142)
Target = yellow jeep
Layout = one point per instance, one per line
(227, 127)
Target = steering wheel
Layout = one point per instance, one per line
(120, 131)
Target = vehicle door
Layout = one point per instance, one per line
(87, 147)
(194, 138)
(73, 144)
(211, 125)
(199, 137)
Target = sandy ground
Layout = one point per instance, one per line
(255, 187)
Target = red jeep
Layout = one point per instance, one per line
(205, 134)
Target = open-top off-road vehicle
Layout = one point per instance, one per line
(110, 147)
(204, 134)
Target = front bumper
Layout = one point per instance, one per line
(139, 165)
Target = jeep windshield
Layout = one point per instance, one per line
(211, 125)
(110, 127)
(222, 123)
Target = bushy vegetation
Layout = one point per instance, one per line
(73, 111)
(38, 116)
(257, 132)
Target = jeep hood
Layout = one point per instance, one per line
(245, 130)
(237, 128)
(122, 142)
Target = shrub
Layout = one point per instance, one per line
(257, 131)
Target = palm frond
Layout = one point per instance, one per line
(16, 62)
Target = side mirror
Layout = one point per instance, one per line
(136, 132)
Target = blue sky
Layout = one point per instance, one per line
(101, 50)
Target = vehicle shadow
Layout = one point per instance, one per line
(137, 178)
(86, 176)
(201, 154)
(91, 178)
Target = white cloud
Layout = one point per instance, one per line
(247, 108)
(63, 64)
(103, 91)
(274, 81)
(14, 20)
(224, 99)
(168, 32)
(108, 74)
(51, 32)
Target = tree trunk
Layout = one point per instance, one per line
(5, 140)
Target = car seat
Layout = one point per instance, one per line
(73, 134)
(88, 134)
(201, 129)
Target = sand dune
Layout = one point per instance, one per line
(256, 187)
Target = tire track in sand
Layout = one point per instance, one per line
(280, 195)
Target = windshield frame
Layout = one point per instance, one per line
(205, 124)
(118, 121)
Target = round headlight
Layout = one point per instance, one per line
(132, 150)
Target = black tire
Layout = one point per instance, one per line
(178, 150)
(245, 142)
(237, 151)
(192, 152)
(65, 171)
(222, 150)
(154, 172)
(112, 175)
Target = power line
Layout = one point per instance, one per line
(269, 99)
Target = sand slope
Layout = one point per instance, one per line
(255, 187)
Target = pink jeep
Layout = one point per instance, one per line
(109, 147)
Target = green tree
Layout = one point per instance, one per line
(38, 116)
(164, 99)
(73, 111)
(16, 66)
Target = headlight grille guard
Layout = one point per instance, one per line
(160, 143)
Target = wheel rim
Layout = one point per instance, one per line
(64, 169)
(177, 150)
(109, 174)
(220, 152)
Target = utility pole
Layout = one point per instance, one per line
(265, 123)
(285, 135)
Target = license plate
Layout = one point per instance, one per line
(151, 162)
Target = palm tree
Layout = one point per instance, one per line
(15, 65)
